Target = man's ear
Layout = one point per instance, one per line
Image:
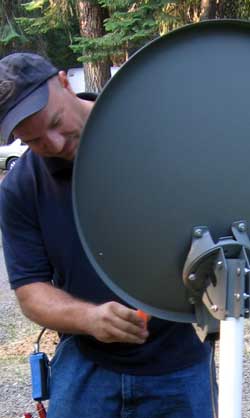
(63, 79)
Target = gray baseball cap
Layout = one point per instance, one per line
(23, 88)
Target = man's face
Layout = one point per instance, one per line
(55, 130)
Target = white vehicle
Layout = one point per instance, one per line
(76, 78)
(10, 153)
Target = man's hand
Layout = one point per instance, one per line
(55, 309)
(113, 322)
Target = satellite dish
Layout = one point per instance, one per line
(161, 180)
(165, 149)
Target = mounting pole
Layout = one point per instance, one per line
(217, 277)
(230, 372)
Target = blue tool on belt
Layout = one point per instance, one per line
(40, 372)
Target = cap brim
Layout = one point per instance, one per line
(34, 102)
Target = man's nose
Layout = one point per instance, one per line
(54, 142)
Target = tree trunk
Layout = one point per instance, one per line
(208, 9)
(91, 16)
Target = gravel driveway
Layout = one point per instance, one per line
(17, 335)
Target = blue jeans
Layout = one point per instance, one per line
(82, 389)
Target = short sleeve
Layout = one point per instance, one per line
(25, 253)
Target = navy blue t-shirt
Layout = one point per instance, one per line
(41, 243)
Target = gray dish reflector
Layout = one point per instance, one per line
(166, 148)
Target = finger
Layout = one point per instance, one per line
(128, 327)
(128, 314)
(118, 335)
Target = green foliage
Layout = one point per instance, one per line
(117, 4)
(129, 26)
(8, 34)
(11, 35)
(34, 5)
(55, 24)
(39, 18)
(244, 9)
(57, 42)
(45, 15)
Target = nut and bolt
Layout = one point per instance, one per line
(191, 276)
(198, 233)
(237, 296)
(238, 271)
(214, 308)
(242, 227)
(220, 264)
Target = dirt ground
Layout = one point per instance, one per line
(17, 336)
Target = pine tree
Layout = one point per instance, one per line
(130, 25)
(229, 9)
(53, 23)
(11, 37)
(91, 17)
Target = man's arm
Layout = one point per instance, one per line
(55, 309)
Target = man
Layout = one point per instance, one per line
(108, 363)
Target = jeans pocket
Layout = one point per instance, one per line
(59, 349)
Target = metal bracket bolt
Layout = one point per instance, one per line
(198, 233)
(191, 276)
(220, 264)
(242, 227)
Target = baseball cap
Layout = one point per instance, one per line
(23, 88)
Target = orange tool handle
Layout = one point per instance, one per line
(142, 315)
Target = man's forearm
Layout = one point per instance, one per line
(53, 308)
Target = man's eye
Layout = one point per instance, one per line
(56, 123)
(32, 142)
